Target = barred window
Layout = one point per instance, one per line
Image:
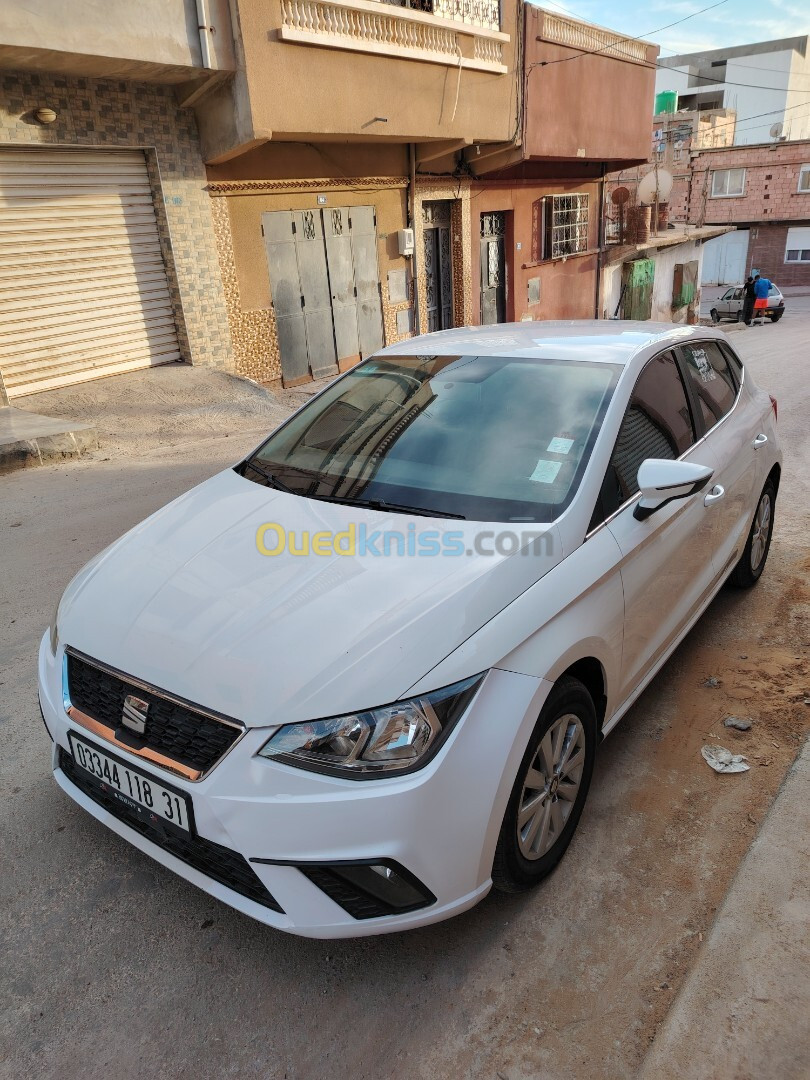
(566, 225)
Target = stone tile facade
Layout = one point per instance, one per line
(108, 113)
(458, 192)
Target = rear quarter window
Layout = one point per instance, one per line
(711, 378)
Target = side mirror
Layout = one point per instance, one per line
(660, 481)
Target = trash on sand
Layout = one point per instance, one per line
(722, 760)
(712, 683)
(737, 722)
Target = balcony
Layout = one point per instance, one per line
(456, 33)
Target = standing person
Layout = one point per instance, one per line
(748, 300)
(762, 287)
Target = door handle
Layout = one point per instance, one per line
(715, 495)
(760, 440)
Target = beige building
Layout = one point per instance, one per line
(107, 254)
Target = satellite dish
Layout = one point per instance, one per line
(620, 196)
(776, 131)
(648, 185)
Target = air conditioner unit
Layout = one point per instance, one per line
(405, 238)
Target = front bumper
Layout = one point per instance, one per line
(440, 823)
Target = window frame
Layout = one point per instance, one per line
(549, 210)
(697, 434)
(698, 419)
(804, 171)
(728, 194)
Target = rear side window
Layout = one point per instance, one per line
(712, 380)
(657, 424)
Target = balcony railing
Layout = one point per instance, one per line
(485, 13)
(454, 32)
(591, 39)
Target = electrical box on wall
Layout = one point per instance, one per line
(405, 237)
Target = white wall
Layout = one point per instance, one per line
(763, 81)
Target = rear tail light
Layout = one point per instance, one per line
(774, 406)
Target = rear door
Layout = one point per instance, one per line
(730, 427)
(666, 564)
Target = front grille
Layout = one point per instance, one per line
(216, 862)
(173, 728)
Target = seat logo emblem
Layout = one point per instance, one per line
(134, 714)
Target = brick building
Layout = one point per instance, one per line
(764, 191)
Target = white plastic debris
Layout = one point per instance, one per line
(723, 761)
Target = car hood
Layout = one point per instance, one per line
(186, 602)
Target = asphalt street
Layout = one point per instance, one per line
(112, 966)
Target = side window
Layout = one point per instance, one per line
(727, 295)
(657, 424)
(712, 380)
(734, 363)
(738, 294)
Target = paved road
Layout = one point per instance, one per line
(112, 966)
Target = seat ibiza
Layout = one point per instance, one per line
(351, 683)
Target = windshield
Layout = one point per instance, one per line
(480, 437)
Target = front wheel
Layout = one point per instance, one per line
(749, 569)
(549, 791)
(715, 316)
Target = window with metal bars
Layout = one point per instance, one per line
(566, 225)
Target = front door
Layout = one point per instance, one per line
(325, 288)
(666, 566)
(438, 264)
(637, 288)
(493, 268)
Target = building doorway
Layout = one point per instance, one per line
(493, 267)
(325, 288)
(438, 264)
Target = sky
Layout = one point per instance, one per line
(735, 22)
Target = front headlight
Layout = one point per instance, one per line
(392, 739)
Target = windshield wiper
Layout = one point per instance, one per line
(271, 478)
(381, 504)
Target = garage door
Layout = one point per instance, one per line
(724, 259)
(82, 280)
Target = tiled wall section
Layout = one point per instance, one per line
(254, 333)
(109, 113)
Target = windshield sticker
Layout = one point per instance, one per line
(707, 372)
(546, 471)
(558, 445)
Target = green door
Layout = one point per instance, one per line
(637, 287)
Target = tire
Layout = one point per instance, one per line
(570, 717)
(740, 316)
(714, 315)
(777, 317)
(749, 569)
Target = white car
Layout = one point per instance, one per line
(353, 682)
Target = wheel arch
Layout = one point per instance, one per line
(775, 475)
(591, 673)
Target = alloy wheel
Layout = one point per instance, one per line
(551, 786)
(761, 531)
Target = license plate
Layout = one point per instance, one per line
(137, 790)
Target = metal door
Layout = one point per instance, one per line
(325, 287)
(340, 260)
(363, 222)
(438, 264)
(637, 281)
(493, 268)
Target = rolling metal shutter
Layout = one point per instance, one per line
(83, 290)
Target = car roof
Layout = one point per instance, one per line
(602, 340)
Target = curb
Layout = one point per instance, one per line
(47, 448)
